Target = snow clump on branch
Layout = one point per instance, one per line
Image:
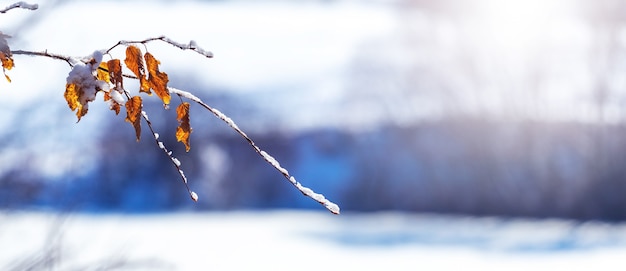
(82, 83)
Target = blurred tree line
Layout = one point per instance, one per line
(464, 165)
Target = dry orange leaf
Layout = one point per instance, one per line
(72, 95)
(157, 79)
(134, 62)
(111, 72)
(5, 55)
(133, 114)
(7, 63)
(115, 73)
(184, 128)
(113, 105)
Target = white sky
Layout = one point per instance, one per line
(294, 60)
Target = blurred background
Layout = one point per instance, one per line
(484, 107)
(488, 108)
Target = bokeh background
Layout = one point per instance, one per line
(467, 109)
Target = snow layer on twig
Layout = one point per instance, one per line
(20, 4)
(332, 207)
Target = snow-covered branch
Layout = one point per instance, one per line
(189, 46)
(332, 207)
(44, 54)
(20, 4)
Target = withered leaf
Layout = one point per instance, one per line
(184, 128)
(7, 63)
(113, 104)
(115, 73)
(5, 55)
(134, 62)
(157, 79)
(133, 114)
(72, 95)
(111, 72)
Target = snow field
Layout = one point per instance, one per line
(280, 240)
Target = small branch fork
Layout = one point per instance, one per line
(20, 4)
(191, 46)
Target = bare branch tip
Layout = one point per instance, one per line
(20, 4)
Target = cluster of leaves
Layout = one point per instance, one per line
(91, 75)
(86, 80)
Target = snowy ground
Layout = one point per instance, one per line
(280, 240)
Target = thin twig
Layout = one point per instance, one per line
(167, 152)
(44, 54)
(20, 4)
(191, 46)
(123, 74)
(173, 159)
(332, 207)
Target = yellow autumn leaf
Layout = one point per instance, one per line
(72, 95)
(184, 128)
(103, 72)
(7, 63)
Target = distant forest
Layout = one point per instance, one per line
(464, 166)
